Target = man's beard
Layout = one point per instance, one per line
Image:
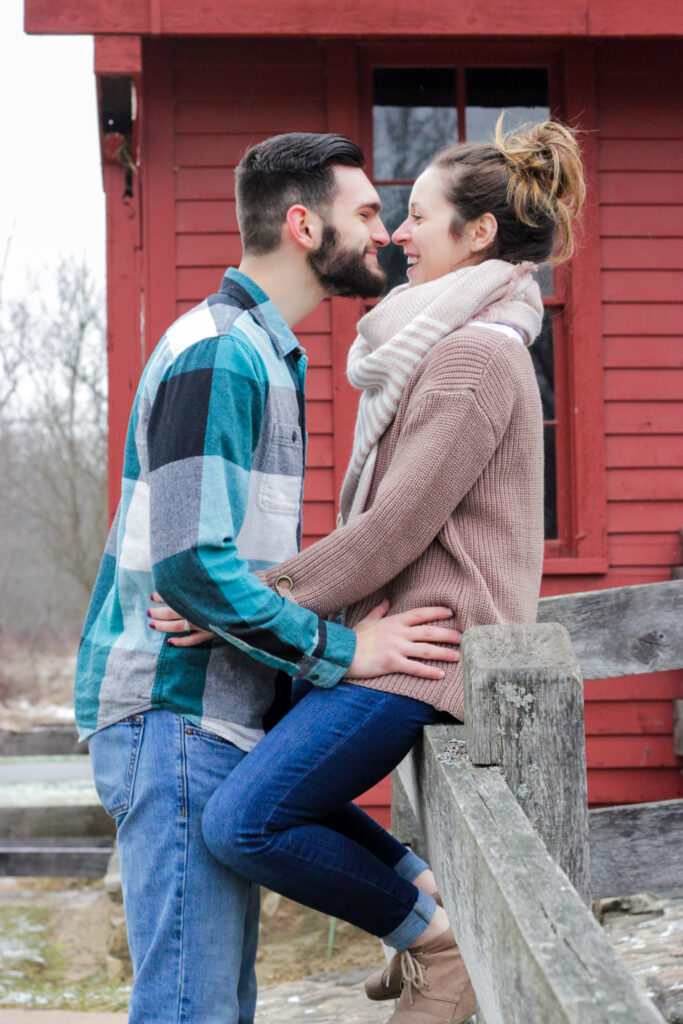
(342, 271)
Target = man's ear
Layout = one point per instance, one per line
(484, 230)
(303, 226)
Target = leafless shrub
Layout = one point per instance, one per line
(53, 454)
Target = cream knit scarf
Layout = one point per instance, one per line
(396, 335)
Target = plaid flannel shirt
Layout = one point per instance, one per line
(211, 492)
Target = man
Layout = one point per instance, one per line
(211, 492)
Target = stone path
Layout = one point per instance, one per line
(59, 1017)
(323, 998)
(646, 931)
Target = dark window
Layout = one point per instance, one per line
(415, 113)
(521, 92)
(543, 356)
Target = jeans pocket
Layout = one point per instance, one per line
(114, 756)
(206, 734)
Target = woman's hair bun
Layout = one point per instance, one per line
(545, 176)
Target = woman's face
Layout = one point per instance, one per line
(426, 236)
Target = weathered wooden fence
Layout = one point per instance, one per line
(499, 807)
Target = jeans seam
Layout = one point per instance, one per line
(183, 881)
(131, 773)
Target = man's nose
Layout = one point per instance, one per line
(380, 235)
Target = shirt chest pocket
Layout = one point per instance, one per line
(279, 488)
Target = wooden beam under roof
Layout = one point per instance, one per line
(384, 18)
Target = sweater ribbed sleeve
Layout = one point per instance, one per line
(446, 440)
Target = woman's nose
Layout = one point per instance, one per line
(401, 234)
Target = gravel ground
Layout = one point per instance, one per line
(646, 931)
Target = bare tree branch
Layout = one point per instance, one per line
(53, 447)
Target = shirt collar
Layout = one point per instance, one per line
(247, 294)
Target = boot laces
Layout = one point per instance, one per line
(412, 973)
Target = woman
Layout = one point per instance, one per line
(441, 505)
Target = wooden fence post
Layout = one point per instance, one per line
(535, 952)
(524, 712)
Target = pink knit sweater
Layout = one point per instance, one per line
(454, 514)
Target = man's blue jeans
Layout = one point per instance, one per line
(192, 923)
(283, 817)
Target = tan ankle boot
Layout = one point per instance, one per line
(386, 984)
(437, 988)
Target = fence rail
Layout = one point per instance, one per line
(499, 809)
(535, 953)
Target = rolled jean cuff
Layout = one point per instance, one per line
(410, 866)
(410, 929)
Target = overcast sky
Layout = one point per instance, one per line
(50, 177)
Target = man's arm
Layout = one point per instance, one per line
(204, 424)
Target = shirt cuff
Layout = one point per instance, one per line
(324, 666)
(332, 656)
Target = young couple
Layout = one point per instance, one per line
(441, 528)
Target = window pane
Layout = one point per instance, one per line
(415, 113)
(521, 92)
(546, 279)
(542, 357)
(549, 484)
(394, 209)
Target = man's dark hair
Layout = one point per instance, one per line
(282, 171)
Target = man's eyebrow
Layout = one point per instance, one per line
(375, 206)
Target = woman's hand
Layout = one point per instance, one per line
(389, 643)
(165, 620)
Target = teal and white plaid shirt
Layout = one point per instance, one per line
(211, 492)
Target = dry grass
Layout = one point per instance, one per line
(54, 932)
(294, 943)
(35, 681)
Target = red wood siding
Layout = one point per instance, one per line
(124, 352)
(641, 178)
(227, 96)
(204, 100)
(629, 722)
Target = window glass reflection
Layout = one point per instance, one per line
(550, 530)
(521, 92)
(542, 358)
(546, 279)
(414, 114)
(395, 200)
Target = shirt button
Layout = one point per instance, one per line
(294, 435)
(314, 678)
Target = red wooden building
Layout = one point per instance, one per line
(185, 88)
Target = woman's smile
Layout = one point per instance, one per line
(426, 235)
